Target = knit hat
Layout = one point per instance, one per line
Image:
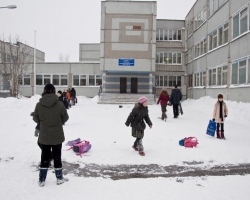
(142, 99)
(49, 88)
(220, 96)
(59, 92)
(164, 89)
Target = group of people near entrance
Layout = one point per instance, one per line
(50, 114)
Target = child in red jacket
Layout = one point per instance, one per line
(163, 100)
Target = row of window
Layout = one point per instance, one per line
(62, 80)
(218, 76)
(201, 17)
(168, 58)
(164, 34)
(200, 48)
(218, 37)
(6, 57)
(167, 81)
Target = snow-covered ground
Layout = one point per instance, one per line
(103, 126)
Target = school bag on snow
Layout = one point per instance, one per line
(79, 147)
(189, 142)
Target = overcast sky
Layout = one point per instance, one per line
(61, 25)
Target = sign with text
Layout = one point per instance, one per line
(126, 62)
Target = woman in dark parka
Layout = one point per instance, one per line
(51, 114)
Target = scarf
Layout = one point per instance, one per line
(221, 115)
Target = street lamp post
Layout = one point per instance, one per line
(10, 7)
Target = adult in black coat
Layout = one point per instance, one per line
(136, 121)
(175, 100)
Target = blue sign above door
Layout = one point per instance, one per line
(126, 62)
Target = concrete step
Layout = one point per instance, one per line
(110, 98)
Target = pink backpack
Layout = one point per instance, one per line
(80, 147)
(191, 142)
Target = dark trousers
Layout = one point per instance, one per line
(218, 126)
(46, 153)
(176, 110)
(163, 110)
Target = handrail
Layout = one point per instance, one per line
(100, 91)
(154, 93)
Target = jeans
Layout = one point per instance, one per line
(176, 110)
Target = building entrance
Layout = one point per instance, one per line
(123, 85)
(134, 85)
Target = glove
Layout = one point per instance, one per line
(213, 119)
(32, 114)
(225, 115)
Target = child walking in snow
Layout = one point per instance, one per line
(136, 119)
(163, 100)
(219, 115)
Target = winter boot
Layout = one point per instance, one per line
(135, 148)
(218, 134)
(59, 176)
(222, 135)
(142, 153)
(42, 176)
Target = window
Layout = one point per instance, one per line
(165, 34)
(235, 73)
(236, 25)
(174, 35)
(197, 79)
(210, 42)
(201, 48)
(161, 58)
(243, 21)
(219, 75)
(166, 58)
(64, 79)
(205, 46)
(220, 36)
(26, 79)
(170, 61)
(174, 58)
(225, 33)
(179, 81)
(83, 80)
(91, 80)
(203, 79)
(170, 81)
(165, 81)
(190, 80)
(157, 34)
(55, 80)
(179, 34)
(170, 35)
(242, 72)
(224, 75)
(239, 72)
(161, 34)
(98, 80)
(214, 39)
(178, 58)
(46, 79)
(156, 80)
(76, 80)
(39, 79)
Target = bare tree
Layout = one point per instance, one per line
(63, 58)
(15, 60)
